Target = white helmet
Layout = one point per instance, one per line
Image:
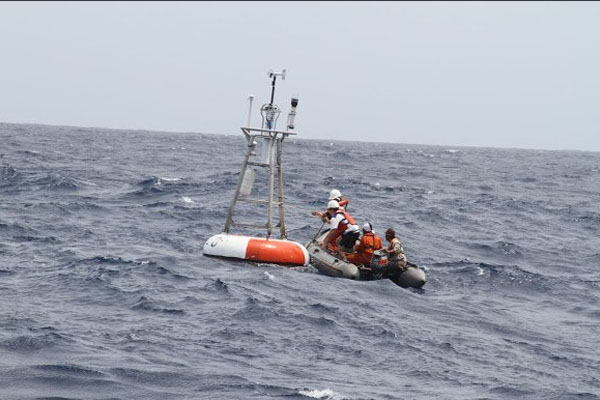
(334, 194)
(333, 204)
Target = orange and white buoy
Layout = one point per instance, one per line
(264, 149)
(284, 252)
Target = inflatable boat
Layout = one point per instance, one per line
(332, 265)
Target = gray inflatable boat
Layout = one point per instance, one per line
(331, 265)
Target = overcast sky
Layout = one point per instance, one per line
(496, 74)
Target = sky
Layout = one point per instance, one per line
(486, 74)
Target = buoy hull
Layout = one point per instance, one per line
(275, 251)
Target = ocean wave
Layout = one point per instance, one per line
(146, 304)
(8, 175)
(152, 377)
(322, 394)
(254, 309)
(316, 320)
(41, 239)
(320, 307)
(29, 343)
(154, 181)
(233, 386)
(16, 229)
(590, 216)
(179, 189)
(160, 270)
(157, 204)
(510, 391)
(57, 181)
(88, 205)
(69, 369)
(98, 266)
(217, 285)
(59, 398)
(496, 274)
(108, 260)
(498, 248)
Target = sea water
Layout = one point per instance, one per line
(105, 293)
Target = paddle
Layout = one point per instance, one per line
(318, 232)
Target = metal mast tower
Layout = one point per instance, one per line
(271, 144)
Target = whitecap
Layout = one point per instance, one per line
(186, 199)
(170, 179)
(326, 394)
(271, 277)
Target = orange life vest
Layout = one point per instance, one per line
(365, 249)
(368, 244)
(343, 202)
(345, 222)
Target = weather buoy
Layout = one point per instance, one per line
(264, 150)
(284, 252)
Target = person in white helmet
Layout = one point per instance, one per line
(333, 195)
(369, 243)
(344, 232)
(337, 195)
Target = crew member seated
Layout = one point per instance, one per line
(368, 244)
(396, 258)
(343, 230)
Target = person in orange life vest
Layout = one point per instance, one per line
(368, 244)
(330, 245)
(333, 195)
(395, 252)
(343, 230)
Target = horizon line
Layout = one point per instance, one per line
(296, 137)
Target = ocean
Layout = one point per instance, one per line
(105, 292)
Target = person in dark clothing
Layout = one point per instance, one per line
(395, 253)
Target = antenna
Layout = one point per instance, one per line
(270, 111)
(250, 98)
(274, 75)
